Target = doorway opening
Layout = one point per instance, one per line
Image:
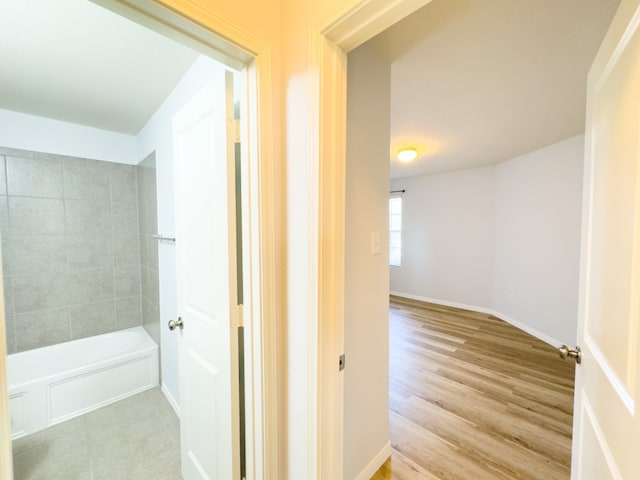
(73, 168)
(465, 227)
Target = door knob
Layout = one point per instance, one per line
(566, 352)
(173, 324)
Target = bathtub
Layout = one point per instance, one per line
(52, 384)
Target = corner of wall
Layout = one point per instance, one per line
(532, 206)
(375, 463)
(538, 229)
(366, 393)
(40, 134)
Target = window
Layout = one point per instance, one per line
(395, 231)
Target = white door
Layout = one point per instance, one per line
(606, 415)
(205, 249)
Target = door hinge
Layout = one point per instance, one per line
(234, 129)
(341, 362)
(239, 316)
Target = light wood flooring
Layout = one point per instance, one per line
(472, 397)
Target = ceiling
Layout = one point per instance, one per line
(75, 61)
(476, 82)
(473, 82)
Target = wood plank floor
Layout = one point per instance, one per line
(472, 397)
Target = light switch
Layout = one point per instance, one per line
(375, 243)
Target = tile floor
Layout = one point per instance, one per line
(135, 439)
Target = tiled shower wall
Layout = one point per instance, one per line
(148, 221)
(70, 245)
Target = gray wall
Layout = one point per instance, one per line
(148, 221)
(366, 303)
(70, 244)
(448, 236)
(503, 239)
(538, 231)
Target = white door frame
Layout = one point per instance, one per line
(6, 460)
(241, 51)
(235, 48)
(342, 29)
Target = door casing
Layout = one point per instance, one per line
(332, 37)
(244, 52)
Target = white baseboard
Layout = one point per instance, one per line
(375, 463)
(171, 400)
(525, 328)
(446, 303)
(531, 331)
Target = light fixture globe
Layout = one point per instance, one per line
(407, 155)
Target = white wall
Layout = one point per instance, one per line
(39, 134)
(157, 135)
(538, 218)
(502, 239)
(366, 425)
(447, 237)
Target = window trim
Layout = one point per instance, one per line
(398, 232)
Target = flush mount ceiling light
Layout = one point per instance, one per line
(407, 154)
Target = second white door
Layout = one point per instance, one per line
(606, 421)
(206, 271)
